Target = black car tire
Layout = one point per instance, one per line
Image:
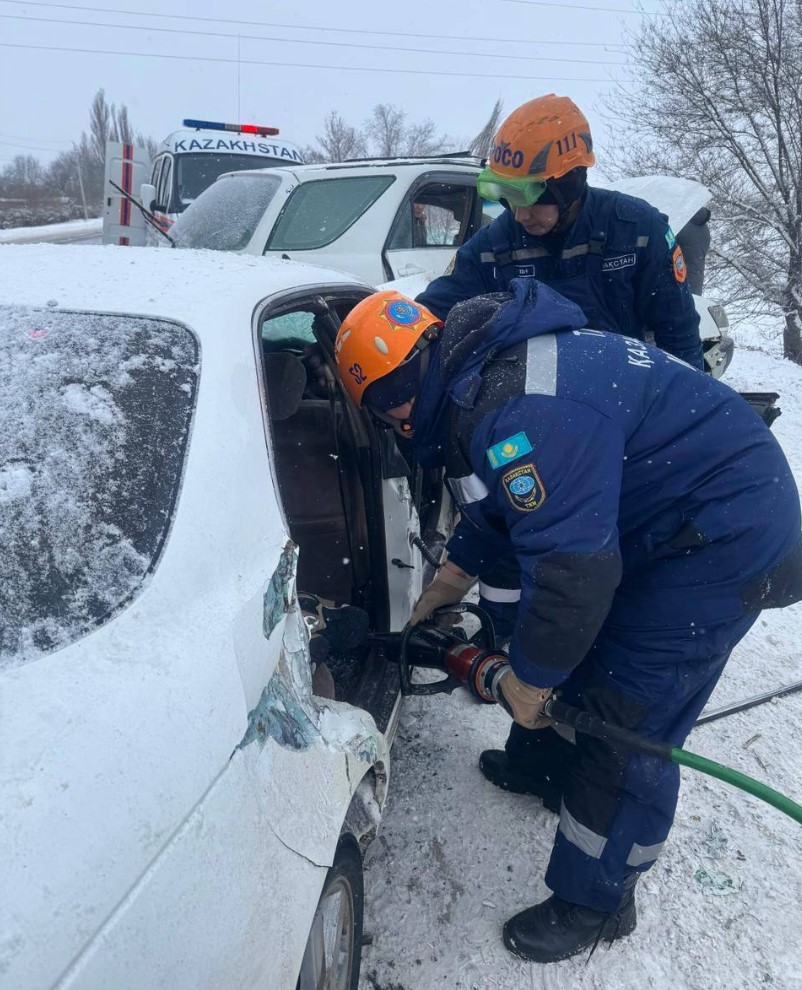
(334, 948)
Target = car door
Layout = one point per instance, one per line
(437, 215)
(337, 473)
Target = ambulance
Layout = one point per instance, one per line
(188, 161)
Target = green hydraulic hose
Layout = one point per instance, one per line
(740, 780)
(593, 726)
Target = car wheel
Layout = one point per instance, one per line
(334, 949)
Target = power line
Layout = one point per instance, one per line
(24, 137)
(301, 65)
(28, 147)
(307, 27)
(299, 41)
(580, 6)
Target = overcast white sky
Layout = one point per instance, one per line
(334, 55)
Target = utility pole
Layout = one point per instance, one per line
(80, 179)
(239, 43)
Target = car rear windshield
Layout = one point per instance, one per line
(226, 215)
(320, 211)
(96, 413)
(197, 172)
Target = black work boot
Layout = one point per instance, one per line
(505, 773)
(558, 929)
(534, 761)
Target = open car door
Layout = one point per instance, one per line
(128, 166)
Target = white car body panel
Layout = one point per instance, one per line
(678, 199)
(410, 262)
(86, 731)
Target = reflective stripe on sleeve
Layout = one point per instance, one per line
(541, 365)
(493, 594)
(469, 489)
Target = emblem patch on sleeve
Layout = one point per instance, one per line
(524, 488)
(671, 240)
(511, 449)
(680, 271)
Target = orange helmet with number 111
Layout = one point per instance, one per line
(543, 139)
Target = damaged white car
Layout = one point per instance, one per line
(201, 542)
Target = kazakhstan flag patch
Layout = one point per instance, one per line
(511, 449)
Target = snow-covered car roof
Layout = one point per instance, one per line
(178, 285)
(316, 171)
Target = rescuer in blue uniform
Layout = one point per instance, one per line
(612, 254)
(653, 515)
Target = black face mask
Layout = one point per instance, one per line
(398, 388)
(565, 191)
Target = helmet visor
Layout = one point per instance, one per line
(517, 192)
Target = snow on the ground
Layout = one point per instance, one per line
(456, 857)
(68, 230)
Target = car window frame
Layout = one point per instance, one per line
(164, 189)
(425, 178)
(432, 178)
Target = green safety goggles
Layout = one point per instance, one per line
(517, 192)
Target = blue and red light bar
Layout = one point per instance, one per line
(214, 125)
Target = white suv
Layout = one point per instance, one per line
(379, 220)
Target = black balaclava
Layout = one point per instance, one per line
(563, 193)
(397, 388)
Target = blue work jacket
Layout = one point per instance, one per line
(619, 263)
(615, 473)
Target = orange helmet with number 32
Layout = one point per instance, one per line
(377, 337)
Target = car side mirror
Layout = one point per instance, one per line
(147, 194)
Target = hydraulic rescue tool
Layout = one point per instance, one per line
(480, 667)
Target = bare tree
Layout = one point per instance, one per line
(101, 123)
(423, 139)
(480, 146)
(385, 134)
(122, 125)
(151, 145)
(22, 171)
(719, 98)
(339, 141)
(386, 130)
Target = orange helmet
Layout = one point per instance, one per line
(377, 337)
(543, 139)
